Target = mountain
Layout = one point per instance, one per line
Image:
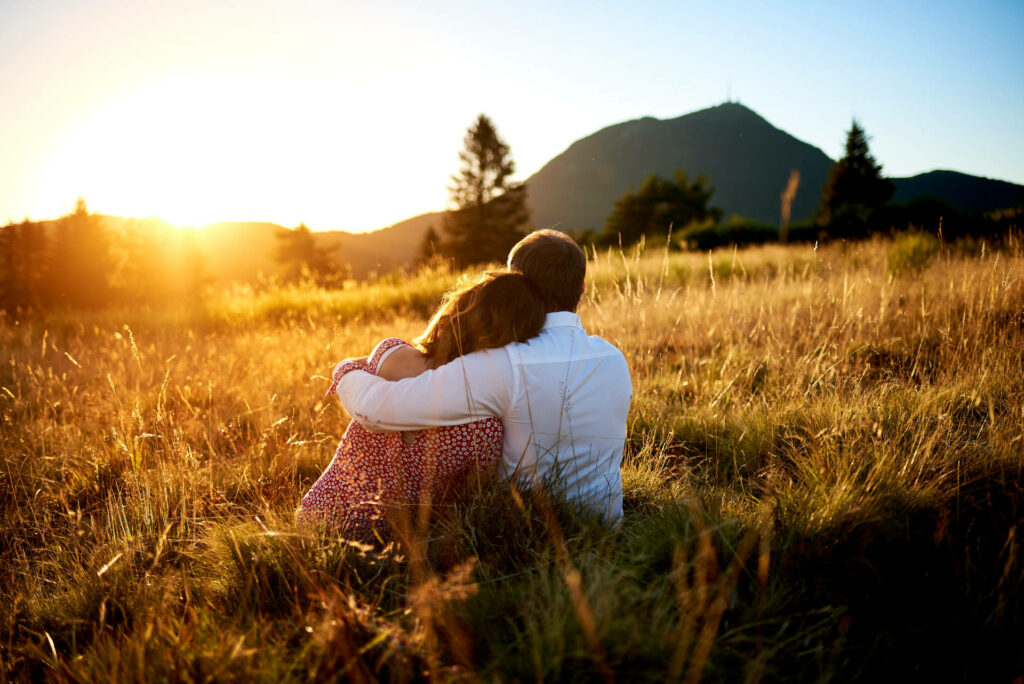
(967, 193)
(747, 159)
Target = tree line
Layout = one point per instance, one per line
(84, 260)
(77, 262)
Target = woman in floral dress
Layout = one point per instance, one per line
(375, 476)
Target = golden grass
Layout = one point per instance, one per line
(793, 407)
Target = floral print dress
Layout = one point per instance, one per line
(377, 474)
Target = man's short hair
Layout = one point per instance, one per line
(555, 264)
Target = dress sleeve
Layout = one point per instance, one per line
(382, 351)
(371, 365)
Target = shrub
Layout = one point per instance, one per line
(912, 253)
(735, 231)
(806, 231)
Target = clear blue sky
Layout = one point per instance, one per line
(349, 115)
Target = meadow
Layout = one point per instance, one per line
(822, 483)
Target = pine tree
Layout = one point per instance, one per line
(491, 214)
(23, 259)
(429, 249)
(304, 260)
(855, 189)
(82, 267)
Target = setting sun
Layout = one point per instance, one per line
(191, 152)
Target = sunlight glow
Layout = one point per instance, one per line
(187, 152)
(223, 148)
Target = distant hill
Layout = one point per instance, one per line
(241, 251)
(244, 250)
(385, 249)
(967, 193)
(747, 159)
(238, 250)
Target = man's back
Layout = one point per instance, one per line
(566, 422)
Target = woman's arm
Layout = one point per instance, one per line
(471, 387)
(403, 362)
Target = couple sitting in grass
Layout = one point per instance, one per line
(503, 377)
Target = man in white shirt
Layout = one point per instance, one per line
(562, 396)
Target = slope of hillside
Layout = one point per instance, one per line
(967, 193)
(382, 250)
(242, 251)
(747, 159)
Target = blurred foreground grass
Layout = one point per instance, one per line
(823, 482)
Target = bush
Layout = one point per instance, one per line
(806, 231)
(928, 214)
(912, 252)
(736, 231)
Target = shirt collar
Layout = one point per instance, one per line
(562, 319)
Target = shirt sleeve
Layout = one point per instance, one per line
(472, 387)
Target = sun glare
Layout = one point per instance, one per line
(243, 148)
(190, 153)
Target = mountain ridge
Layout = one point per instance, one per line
(965, 192)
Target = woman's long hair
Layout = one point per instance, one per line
(499, 308)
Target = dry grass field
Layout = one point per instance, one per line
(822, 482)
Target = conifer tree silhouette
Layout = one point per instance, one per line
(491, 214)
(855, 188)
(81, 270)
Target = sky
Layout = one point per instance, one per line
(349, 115)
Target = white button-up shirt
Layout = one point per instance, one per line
(562, 397)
